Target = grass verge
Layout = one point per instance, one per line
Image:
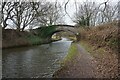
(105, 59)
(93, 50)
(71, 54)
(34, 40)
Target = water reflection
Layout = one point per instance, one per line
(37, 61)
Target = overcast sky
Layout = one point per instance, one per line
(71, 6)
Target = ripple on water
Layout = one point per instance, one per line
(37, 61)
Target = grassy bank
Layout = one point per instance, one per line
(107, 60)
(68, 60)
(15, 38)
(105, 35)
(102, 43)
(92, 49)
(71, 53)
(34, 40)
(12, 38)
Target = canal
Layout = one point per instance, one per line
(34, 62)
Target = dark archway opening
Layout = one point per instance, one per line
(57, 35)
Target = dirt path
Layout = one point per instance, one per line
(85, 63)
(82, 66)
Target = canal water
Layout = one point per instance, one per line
(34, 62)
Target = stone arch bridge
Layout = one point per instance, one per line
(46, 32)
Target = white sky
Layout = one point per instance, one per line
(72, 1)
(71, 6)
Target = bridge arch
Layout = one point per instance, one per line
(50, 35)
(46, 32)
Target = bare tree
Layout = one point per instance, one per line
(51, 14)
(6, 10)
(0, 14)
(19, 13)
(23, 14)
(109, 12)
(90, 13)
(85, 13)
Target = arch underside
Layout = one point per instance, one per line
(55, 29)
(75, 34)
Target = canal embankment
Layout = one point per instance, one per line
(13, 38)
(39, 61)
(96, 55)
(78, 65)
(87, 62)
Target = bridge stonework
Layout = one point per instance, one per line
(47, 31)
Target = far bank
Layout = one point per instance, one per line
(13, 38)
